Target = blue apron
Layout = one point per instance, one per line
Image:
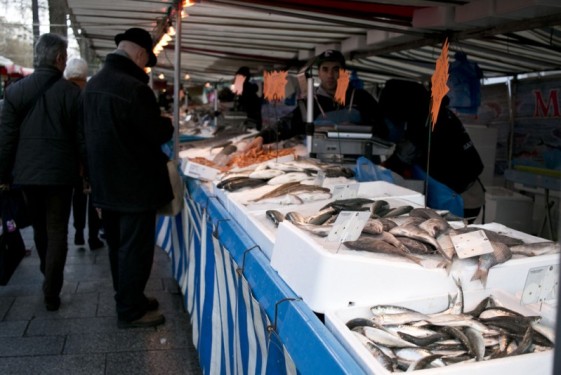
(347, 115)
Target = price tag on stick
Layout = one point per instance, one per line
(348, 226)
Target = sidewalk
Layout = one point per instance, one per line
(82, 336)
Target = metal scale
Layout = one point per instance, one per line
(340, 143)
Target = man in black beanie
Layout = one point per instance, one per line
(124, 130)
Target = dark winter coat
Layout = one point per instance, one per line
(40, 148)
(123, 133)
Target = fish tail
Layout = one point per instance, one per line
(480, 274)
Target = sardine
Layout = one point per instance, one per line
(477, 343)
(383, 337)
(359, 322)
(501, 253)
(425, 362)
(376, 352)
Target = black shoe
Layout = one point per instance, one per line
(150, 319)
(95, 243)
(153, 304)
(79, 238)
(52, 303)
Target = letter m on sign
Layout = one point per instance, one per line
(543, 107)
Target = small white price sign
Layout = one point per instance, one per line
(471, 244)
(541, 284)
(346, 191)
(319, 178)
(348, 226)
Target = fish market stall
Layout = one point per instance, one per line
(263, 250)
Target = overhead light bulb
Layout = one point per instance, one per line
(161, 76)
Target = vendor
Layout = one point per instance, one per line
(454, 160)
(360, 107)
(246, 99)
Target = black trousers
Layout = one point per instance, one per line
(49, 207)
(131, 238)
(82, 204)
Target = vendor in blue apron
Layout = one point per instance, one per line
(360, 108)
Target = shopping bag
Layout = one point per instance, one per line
(13, 208)
(12, 251)
(176, 204)
(366, 170)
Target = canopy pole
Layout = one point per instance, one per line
(176, 80)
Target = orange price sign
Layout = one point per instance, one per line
(342, 85)
(438, 80)
(274, 85)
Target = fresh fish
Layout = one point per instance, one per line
(545, 331)
(347, 204)
(284, 167)
(223, 157)
(283, 200)
(501, 253)
(378, 207)
(485, 303)
(295, 217)
(389, 309)
(397, 211)
(279, 191)
(497, 311)
(373, 226)
(225, 181)
(338, 171)
(321, 217)
(524, 344)
(399, 318)
(421, 341)
(387, 224)
(414, 246)
(275, 216)
(382, 337)
(409, 359)
(376, 352)
(477, 343)
(425, 362)
(434, 226)
(265, 174)
(312, 195)
(243, 183)
(536, 248)
(359, 322)
(445, 241)
(373, 245)
(417, 233)
(424, 212)
(458, 320)
(289, 177)
(391, 239)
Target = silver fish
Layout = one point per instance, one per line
(398, 211)
(321, 217)
(376, 352)
(382, 337)
(414, 246)
(295, 217)
(318, 230)
(501, 253)
(373, 226)
(266, 174)
(289, 177)
(477, 343)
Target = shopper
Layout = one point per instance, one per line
(454, 160)
(248, 101)
(38, 151)
(360, 107)
(77, 72)
(124, 131)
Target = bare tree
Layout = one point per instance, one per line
(58, 10)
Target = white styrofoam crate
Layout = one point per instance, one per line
(532, 363)
(328, 276)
